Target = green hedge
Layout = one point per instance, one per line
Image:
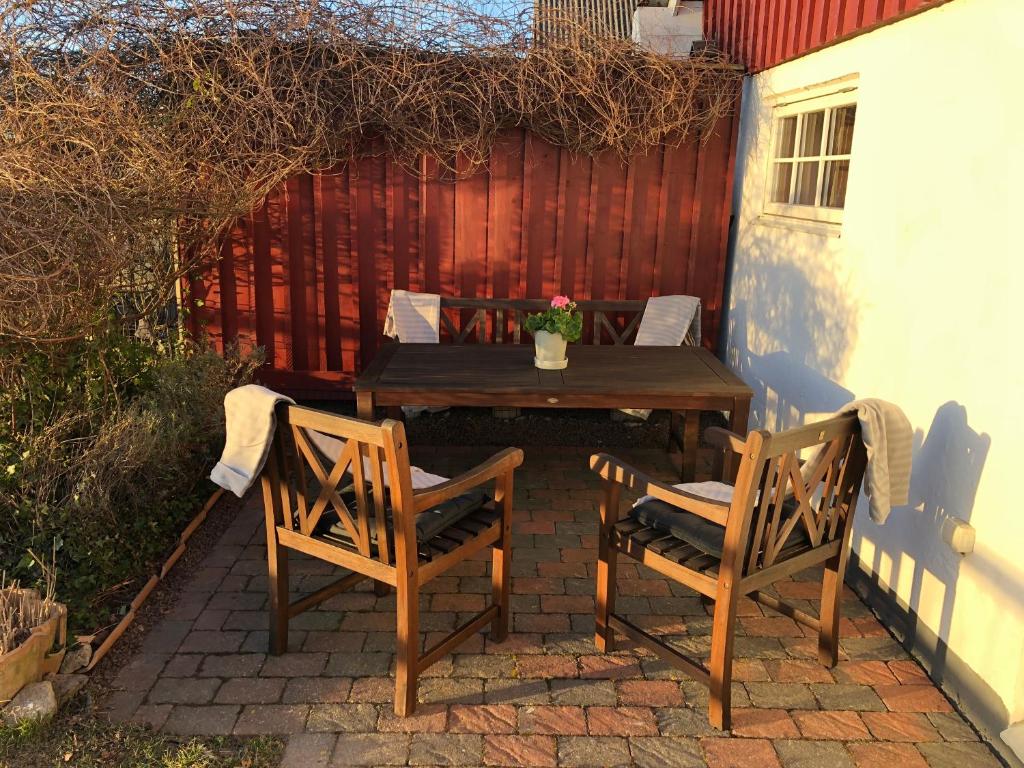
(104, 450)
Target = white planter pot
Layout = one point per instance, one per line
(549, 350)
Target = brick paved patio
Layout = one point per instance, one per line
(544, 697)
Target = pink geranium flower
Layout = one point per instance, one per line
(560, 302)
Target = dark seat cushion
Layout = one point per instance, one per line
(429, 522)
(706, 536)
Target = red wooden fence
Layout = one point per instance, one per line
(763, 33)
(307, 276)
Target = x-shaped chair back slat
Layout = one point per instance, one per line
(819, 496)
(360, 460)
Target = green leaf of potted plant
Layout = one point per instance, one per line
(552, 330)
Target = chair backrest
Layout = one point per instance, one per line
(776, 496)
(316, 454)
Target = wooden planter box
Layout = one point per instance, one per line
(41, 654)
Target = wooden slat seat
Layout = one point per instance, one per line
(782, 516)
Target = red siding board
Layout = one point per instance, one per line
(308, 274)
(762, 33)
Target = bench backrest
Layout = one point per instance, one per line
(500, 321)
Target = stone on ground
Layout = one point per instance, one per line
(34, 701)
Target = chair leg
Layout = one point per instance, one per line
(723, 631)
(831, 596)
(277, 584)
(501, 564)
(501, 561)
(604, 637)
(408, 646)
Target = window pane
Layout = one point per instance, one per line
(780, 184)
(833, 190)
(785, 136)
(840, 138)
(806, 183)
(810, 134)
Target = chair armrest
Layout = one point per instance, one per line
(724, 439)
(619, 472)
(499, 464)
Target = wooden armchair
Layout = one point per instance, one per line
(361, 513)
(782, 518)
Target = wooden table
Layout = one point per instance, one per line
(683, 379)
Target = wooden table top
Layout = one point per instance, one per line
(609, 370)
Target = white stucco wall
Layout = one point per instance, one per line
(918, 300)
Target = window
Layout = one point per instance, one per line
(810, 157)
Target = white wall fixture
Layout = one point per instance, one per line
(958, 534)
(669, 30)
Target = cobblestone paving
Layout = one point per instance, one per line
(544, 697)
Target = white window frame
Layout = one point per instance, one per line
(799, 105)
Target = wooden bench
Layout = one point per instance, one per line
(500, 321)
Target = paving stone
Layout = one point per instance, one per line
(798, 671)
(206, 641)
(913, 698)
(428, 718)
(248, 690)
(684, 721)
(342, 718)
(516, 751)
(588, 751)
(882, 648)
(846, 696)
(813, 754)
(585, 692)
(452, 690)
(621, 721)
(900, 726)
(831, 725)
(356, 664)
(215, 720)
(370, 749)
(555, 720)
(183, 690)
(739, 753)
(375, 690)
(763, 723)
(781, 695)
(483, 665)
(651, 693)
(316, 690)
(864, 673)
(182, 665)
(886, 755)
(231, 665)
(445, 749)
(308, 750)
(513, 691)
(666, 752)
(141, 672)
(152, 715)
(952, 726)
(271, 719)
(909, 672)
(547, 666)
(482, 718)
(165, 637)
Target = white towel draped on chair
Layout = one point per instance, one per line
(668, 321)
(889, 440)
(250, 424)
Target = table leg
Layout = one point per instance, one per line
(365, 405)
(738, 417)
(691, 439)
